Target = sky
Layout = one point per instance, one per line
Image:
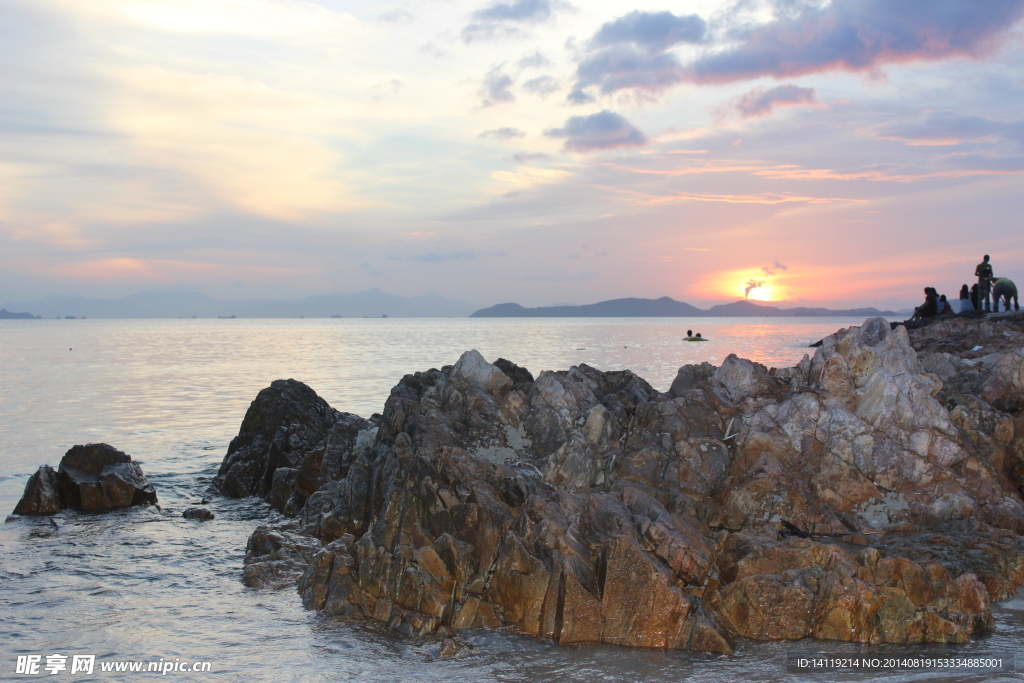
(842, 153)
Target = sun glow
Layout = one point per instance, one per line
(765, 292)
(753, 284)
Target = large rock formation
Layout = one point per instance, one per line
(91, 477)
(584, 506)
(290, 443)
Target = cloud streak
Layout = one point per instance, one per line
(763, 101)
(518, 10)
(631, 53)
(862, 35)
(600, 131)
(506, 133)
(502, 19)
(652, 31)
(496, 88)
(542, 85)
(436, 257)
(942, 128)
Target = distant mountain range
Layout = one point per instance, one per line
(666, 307)
(7, 315)
(372, 303)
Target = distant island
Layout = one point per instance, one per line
(667, 307)
(7, 315)
(372, 303)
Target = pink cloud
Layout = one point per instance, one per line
(763, 101)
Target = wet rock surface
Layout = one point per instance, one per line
(40, 497)
(198, 514)
(585, 506)
(90, 477)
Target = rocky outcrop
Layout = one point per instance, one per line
(91, 477)
(290, 443)
(585, 506)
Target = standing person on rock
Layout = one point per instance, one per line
(1004, 288)
(984, 274)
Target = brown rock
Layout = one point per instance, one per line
(641, 605)
(98, 476)
(766, 607)
(40, 497)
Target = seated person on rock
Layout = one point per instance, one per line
(930, 307)
(965, 299)
(1004, 288)
(944, 306)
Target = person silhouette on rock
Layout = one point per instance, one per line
(984, 274)
(965, 299)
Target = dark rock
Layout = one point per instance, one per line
(517, 374)
(282, 487)
(198, 514)
(583, 506)
(276, 558)
(91, 477)
(98, 476)
(287, 426)
(690, 377)
(40, 497)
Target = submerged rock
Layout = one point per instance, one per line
(90, 477)
(198, 514)
(277, 557)
(584, 506)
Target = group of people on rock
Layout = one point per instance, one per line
(985, 295)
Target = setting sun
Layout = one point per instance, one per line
(764, 292)
(765, 283)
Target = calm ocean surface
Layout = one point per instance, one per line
(146, 585)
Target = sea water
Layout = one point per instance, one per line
(149, 586)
